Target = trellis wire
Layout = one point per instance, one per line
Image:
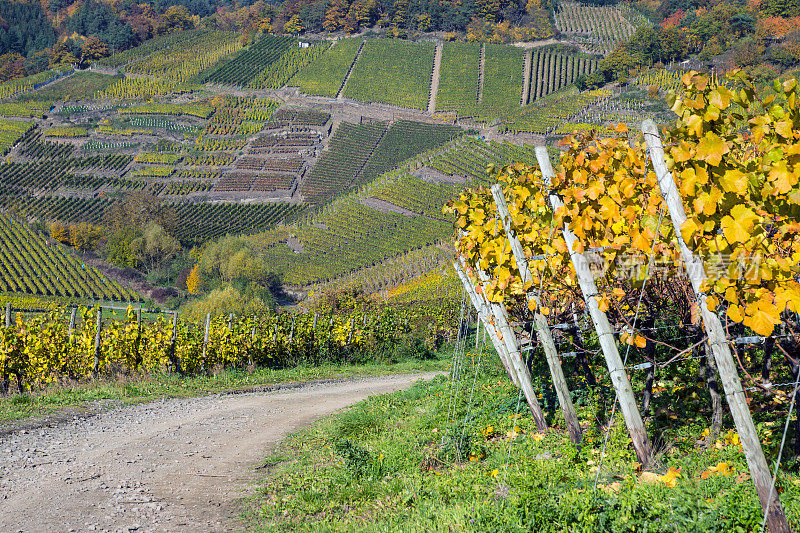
(780, 451)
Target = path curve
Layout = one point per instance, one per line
(172, 465)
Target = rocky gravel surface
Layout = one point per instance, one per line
(172, 465)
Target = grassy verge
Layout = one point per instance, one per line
(411, 461)
(132, 390)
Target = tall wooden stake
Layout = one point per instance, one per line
(483, 314)
(509, 338)
(8, 314)
(540, 321)
(97, 333)
(205, 338)
(72, 322)
(718, 342)
(616, 370)
(173, 344)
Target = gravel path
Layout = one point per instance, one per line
(173, 465)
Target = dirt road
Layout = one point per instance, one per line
(175, 465)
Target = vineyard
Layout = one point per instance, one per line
(551, 72)
(325, 75)
(31, 264)
(43, 349)
(458, 76)
(393, 72)
(350, 148)
(247, 65)
(351, 233)
(599, 28)
(680, 264)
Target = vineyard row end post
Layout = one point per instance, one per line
(605, 335)
(173, 344)
(205, 337)
(539, 320)
(718, 341)
(509, 338)
(483, 315)
(8, 314)
(97, 336)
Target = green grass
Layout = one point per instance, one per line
(391, 71)
(397, 463)
(133, 390)
(324, 77)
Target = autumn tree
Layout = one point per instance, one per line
(193, 280)
(92, 50)
(293, 26)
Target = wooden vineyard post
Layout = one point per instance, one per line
(605, 336)
(137, 343)
(352, 326)
(230, 321)
(291, 331)
(173, 344)
(509, 338)
(718, 342)
(97, 335)
(8, 314)
(483, 314)
(540, 321)
(72, 322)
(205, 338)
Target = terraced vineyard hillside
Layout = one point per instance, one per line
(233, 139)
(398, 212)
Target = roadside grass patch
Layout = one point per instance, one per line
(438, 463)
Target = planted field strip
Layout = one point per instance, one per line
(502, 80)
(11, 131)
(292, 164)
(458, 76)
(60, 208)
(29, 264)
(281, 71)
(18, 86)
(49, 174)
(547, 114)
(348, 236)
(551, 72)
(350, 148)
(601, 28)
(283, 143)
(393, 72)
(195, 51)
(257, 182)
(24, 109)
(179, 188)
(198, 223)
(195, 109)
(245, 66)
(469, 158)
(100, 146)
(403, 140)
(325, 76)
(36, 148)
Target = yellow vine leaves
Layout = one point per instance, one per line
(735, 153)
